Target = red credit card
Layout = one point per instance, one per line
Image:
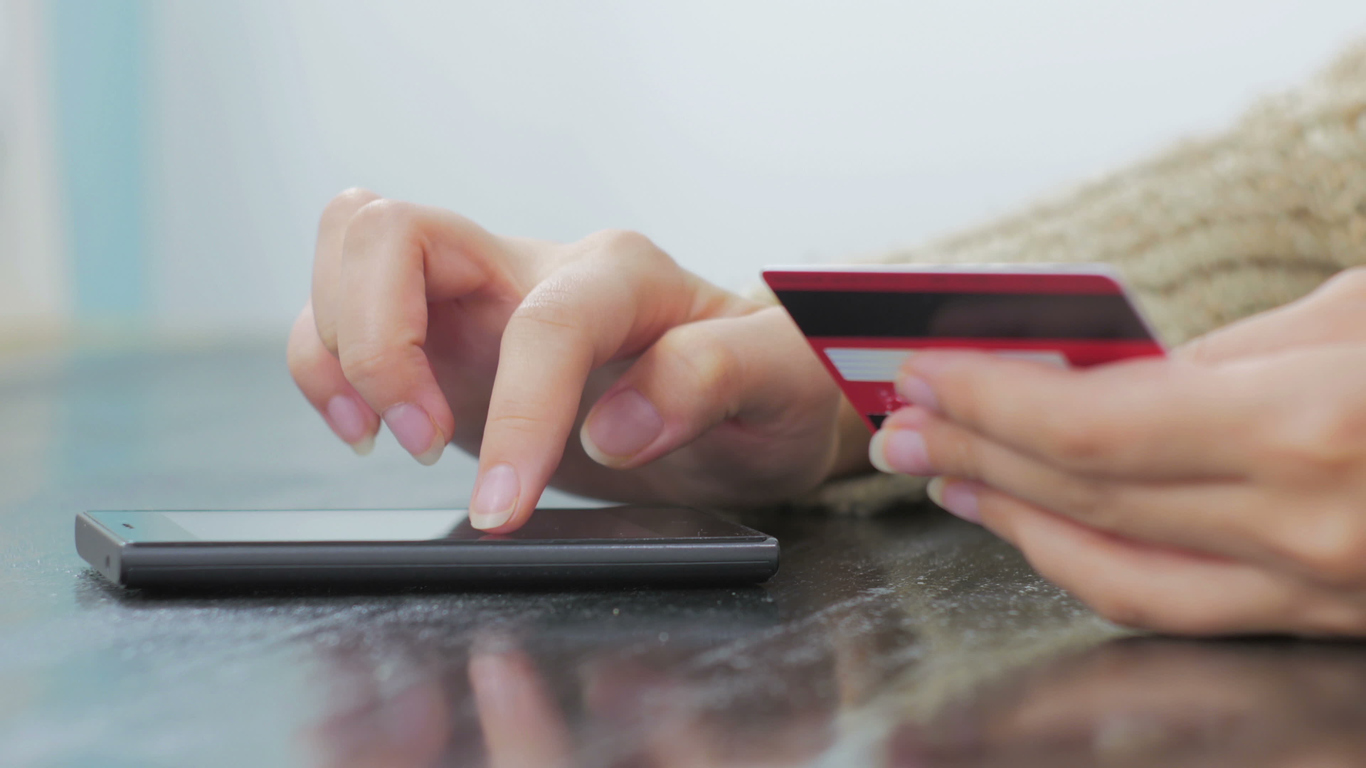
(865, 321)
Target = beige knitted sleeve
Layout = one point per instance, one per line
(1208, 232)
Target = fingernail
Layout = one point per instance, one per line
(899, 452)
(415, 431)
(349, 422)
(495, 498)
(365, 446)
(935, 490)
(620, 428)
(955, 497)
(916, 391)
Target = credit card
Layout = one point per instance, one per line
(864, 321)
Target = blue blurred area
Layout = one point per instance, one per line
(99, 72)
(188, 146)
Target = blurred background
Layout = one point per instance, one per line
(162, 164)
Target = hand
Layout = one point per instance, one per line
(1222, 490)
(449, 333)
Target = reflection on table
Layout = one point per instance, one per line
(1160, 702)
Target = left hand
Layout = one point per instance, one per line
(1222, 490)
(601, 366)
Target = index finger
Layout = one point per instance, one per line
(612, 303)
(1153, 418)
(518, 714)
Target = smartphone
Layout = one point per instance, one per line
(864, 321)
(625, 545)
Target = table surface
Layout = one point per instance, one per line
(908, 640)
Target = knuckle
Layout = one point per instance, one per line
(953, 451)
(711, 364)
(549, 307)
(622, 240)
(1091, 501)
(513, 418)
(964, 398)
(624, 245)
(364, 364)
(341, 207)
(1319, 445)
(1077, 442)
(1330, 546)
(382, 219)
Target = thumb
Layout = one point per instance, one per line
(1329, 314)
(697, 376)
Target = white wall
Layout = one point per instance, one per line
(734, 133)
(34, 290)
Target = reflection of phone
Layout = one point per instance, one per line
(422, 547)
(864, 321)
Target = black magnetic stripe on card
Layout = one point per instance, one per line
(877, 419)
(964, 315)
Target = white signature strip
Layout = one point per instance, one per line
(863, 364)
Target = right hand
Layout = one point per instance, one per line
(501, 344)
(1218, 491)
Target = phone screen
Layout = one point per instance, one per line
(430, 525)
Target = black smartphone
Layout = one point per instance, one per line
(625, 545)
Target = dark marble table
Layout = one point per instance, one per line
(907, 640)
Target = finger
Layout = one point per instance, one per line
(319, 376)
(1287, 513)
(397, 257)
(699, 375)
(327, 252)
(1162, 589)
(521, 722)
(609, 305)
(1231, 519)
(1150, 418)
